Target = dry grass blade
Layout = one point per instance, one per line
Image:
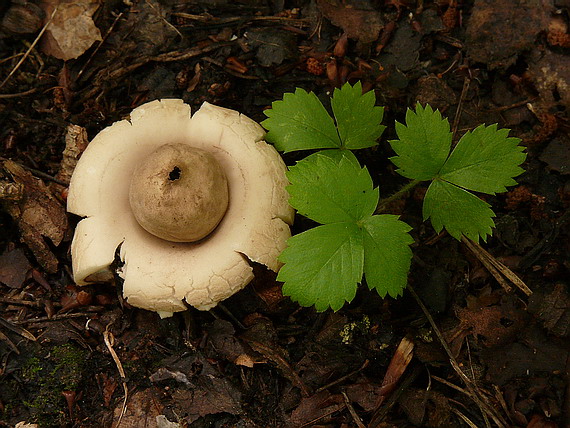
(18, 330)
(10, 343)
(109, 342)
(353, 413)
(496, 268)
(31, 48)
(464, 418)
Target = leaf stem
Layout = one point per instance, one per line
(399, 194)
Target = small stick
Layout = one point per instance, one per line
(476, 395)
(109, 31)
(457, 117)
(53, 318)
(12, 301)
(39, 173)
(343, 378)
(18, 94)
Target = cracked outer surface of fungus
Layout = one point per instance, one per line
(160, 275)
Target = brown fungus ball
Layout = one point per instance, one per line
(179, 193)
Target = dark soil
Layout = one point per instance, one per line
(482, 355)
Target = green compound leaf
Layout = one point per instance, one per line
(387, 254)
(485, 160)
(330, 186)
(300, 122)
(323, 265)
(423, 144)
(460, 212)
(357, 118)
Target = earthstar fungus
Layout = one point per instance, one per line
(212, 174)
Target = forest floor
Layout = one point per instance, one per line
(464, 347)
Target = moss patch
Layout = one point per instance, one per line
(60, 370)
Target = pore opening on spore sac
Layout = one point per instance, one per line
(174, 174)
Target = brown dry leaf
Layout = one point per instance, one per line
(223, 342)
(142, 409)
(210, 395)
(553, 309)
(557, 155)
(38, 215)
(14, 267)
(75, 143)
(273, 46)
(107, 385)
(262, 338)
(551, 76)
(495, 324)
(72, 30)
(365, 394)
(396, 368)
(534, 353)
(363, 24)
(425, 408)
(497, 32)
(319, 406)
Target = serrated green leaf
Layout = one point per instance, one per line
(460, 212)
(331, 187)
(387, 254)
(358, 120)
(300, 122)
(485, 160)
(323, 265)
(423, 144)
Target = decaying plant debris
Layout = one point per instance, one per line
(459, 349)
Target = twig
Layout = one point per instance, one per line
(107, 34)
(109, 342)
(11, 57)
(514, 105)
(229, 314)
(57, 317)
(116, 73)
(11, 301)
(474, 392)
(17, 66)
(207, 19)
(18, 94)
(457, 117)
(168, 24)
(39, 173)
(343, 378)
